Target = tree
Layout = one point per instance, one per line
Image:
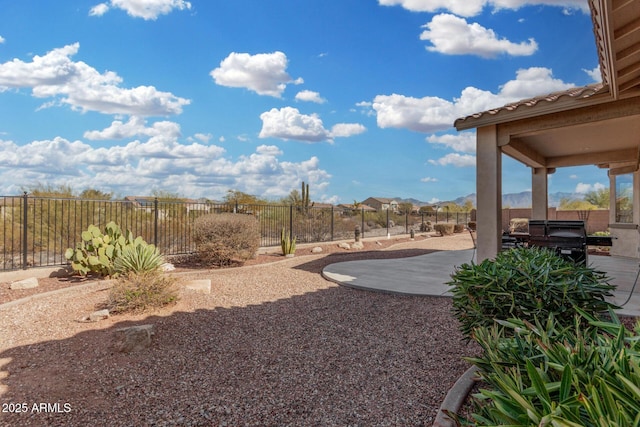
(236, 196)
(167, 196)
(599, 198)
(405, 207)
(93, 194)
(41, 190)
(567, 204)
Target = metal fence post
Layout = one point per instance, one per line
(388, 223)
(155, 222)
(362, 220)
(25, 213)
(332, 215)
(406, 222)
(291, 221)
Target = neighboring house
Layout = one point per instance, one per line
(381, 204)
(348, 209)
(147, 204)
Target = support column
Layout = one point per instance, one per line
(489, 192)
(539, 193)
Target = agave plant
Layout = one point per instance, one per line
(138, 258)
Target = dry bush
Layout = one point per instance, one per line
(139, 292)
(225, 239)
(458, 228)
(444, 228)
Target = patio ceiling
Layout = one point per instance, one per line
(596, 124)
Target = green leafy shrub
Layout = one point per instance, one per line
(222, 239)
(138, 258)
(444, 228)
(525, 283)
(559, 375)
(139, 292)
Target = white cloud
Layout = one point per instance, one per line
(203, 137)
(161, 162)
(475, 7)
(2, 39)
(464, 142)
(459, 7)
(310, 96)
(343, 130)
(452, 35)
(595, 74)
(263, 73)
(99, 9)
(289, 124)
(145, 9)
(573, 176)
(429, 179)
(136, 126)
(432, 114)
(455, 159)
(55, 75)
(583, 188)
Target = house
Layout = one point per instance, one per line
(381, 204)
(349, 209)
(147, 204)
(597, 124)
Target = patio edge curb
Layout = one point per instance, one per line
(455, 398)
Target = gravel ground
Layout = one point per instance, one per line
(274, 344)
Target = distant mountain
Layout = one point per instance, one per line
(511, 200)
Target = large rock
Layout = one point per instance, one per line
(316, 250)
(357, 245)
(99, 315)
(202, 286)
(344, 245)
(29, 283)
(134, 338)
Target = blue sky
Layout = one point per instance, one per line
(355, 97)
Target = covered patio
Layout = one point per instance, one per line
(406, 276)
(597, 124)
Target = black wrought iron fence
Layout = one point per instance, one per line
(36, 231)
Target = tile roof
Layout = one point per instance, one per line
(583, 92)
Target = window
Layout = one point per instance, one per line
(624, 198)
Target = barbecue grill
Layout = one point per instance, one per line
(567, 238)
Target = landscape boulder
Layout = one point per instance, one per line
(134, 338)
(29, 283)
(344, 245)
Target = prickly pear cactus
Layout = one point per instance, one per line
(97, 250)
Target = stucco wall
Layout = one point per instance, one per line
(598, 220)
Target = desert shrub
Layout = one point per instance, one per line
(139, 292)
(444, 228)
(585, 374)
(138, 259)
(458, 228)
(222, 239)
(426, 227)
(526, 283)
(472, 225)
